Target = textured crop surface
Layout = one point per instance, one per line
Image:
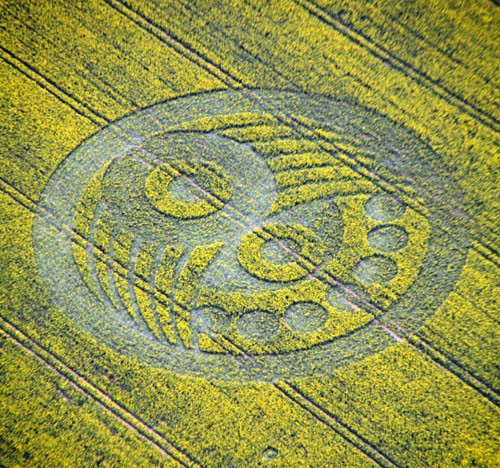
(241, 234)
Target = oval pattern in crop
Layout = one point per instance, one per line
(248, 234)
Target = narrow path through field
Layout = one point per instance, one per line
(393, 329)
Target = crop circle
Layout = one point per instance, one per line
(214, 237)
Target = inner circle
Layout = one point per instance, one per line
(146, 252)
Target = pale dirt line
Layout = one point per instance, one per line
(109, 405)
(173, 40)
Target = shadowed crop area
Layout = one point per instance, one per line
(249, 234)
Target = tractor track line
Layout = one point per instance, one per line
(175, 43)
(333, 422)
(113, 408)
(478, 306)
(435, 46)
(50, 86)
(386, 56)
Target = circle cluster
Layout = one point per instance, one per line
(219, 230)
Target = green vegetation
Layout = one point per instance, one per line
(376, 253)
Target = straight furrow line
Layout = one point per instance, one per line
(392, 328)
(191, 7)
(487, 252)
(46, 83)
(454, 367)
(400, 64)
(94, 79)
(325, 417)
(483, 309)
(235, 83)
(113, 408)
(390, 331)
(175, 43)
(434, 45)
(296, 397)
(128, 274)
(368, 303)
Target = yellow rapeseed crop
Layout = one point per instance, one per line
(250, 233)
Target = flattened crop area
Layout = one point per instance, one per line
(249, 234)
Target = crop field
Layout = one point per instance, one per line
(241, 234)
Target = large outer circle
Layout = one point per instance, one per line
(396, 150)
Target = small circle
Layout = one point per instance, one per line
(188, 233)
(258, 326)
(270, 453)
(383, 207)
(388, 238)
(198, 191)
(279, 252)
(183, 189)
(305, 317)
(376, 269)
(287, 266)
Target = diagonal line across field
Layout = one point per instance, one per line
(46, 83)
(379, 51)
(113, 408)
(325, 417)
(298, 126)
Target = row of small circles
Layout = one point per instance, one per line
(385, 238)
(307, 317)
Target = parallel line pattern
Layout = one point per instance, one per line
(386, 56)
(113, 408)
